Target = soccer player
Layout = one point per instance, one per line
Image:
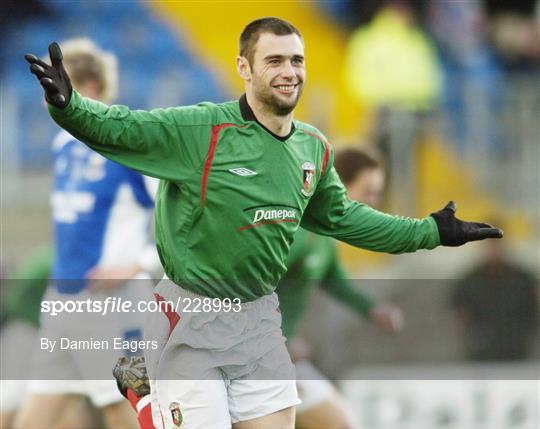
(237, 179)
(101, 215)
(313, 261)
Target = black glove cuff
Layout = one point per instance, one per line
(450, 233)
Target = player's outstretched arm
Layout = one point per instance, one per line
(455, 232)
(165, 143)
(331, 213)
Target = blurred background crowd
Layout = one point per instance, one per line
(447, 91)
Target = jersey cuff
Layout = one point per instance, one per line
(73, 101)
(434, 239)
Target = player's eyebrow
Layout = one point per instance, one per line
(281, 57)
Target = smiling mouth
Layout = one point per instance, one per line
(286, 88)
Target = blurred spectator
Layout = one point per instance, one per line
(14, 12)
(351, 13)
(473, 81)
(390, 62)
(391, 67)
(497, 302)
(514, 32)
(490, 97)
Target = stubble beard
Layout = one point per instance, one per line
(274, 104)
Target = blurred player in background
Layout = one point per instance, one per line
(238, 180)
(314, 262)
(20, 304)
(101, 215)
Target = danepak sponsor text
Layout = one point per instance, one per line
(273, 214)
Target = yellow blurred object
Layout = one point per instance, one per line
(390, 62)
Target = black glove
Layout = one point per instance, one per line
(53, 78)
(455, 232)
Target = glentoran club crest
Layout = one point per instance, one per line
(177, 417)
(309, 179)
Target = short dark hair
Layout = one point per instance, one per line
(352, 161)
(250, 35)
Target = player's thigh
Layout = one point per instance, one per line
(120, 415)
(6, 419)
(42, 411)
(329, 414)
(81, 414)
(114, 408)
(322, 406)
(282, 419)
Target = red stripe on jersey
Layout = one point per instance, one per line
(210, 157)
(270, 222)
(167, 309)
(325, 159)
(326, 149)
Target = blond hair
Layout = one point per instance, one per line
(84, 60)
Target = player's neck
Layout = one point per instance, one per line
(279, 125)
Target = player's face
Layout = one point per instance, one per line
(367, 187)
(278, 72)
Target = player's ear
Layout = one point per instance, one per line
(243, 68)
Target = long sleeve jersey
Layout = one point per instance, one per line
(232, 194)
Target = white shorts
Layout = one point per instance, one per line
(86, 372)
(313, 387)
(14, 363)
(216, 368)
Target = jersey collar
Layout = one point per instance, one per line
(248, 115)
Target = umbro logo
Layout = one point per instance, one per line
(241, 171)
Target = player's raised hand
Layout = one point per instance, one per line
(108, 279)
(53, 78)
(455, 232)
(388, 317)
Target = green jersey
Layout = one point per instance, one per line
(313, 261)
(232, 193)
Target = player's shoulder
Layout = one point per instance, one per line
(310, 130)
(209, 113)
(229, 112)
